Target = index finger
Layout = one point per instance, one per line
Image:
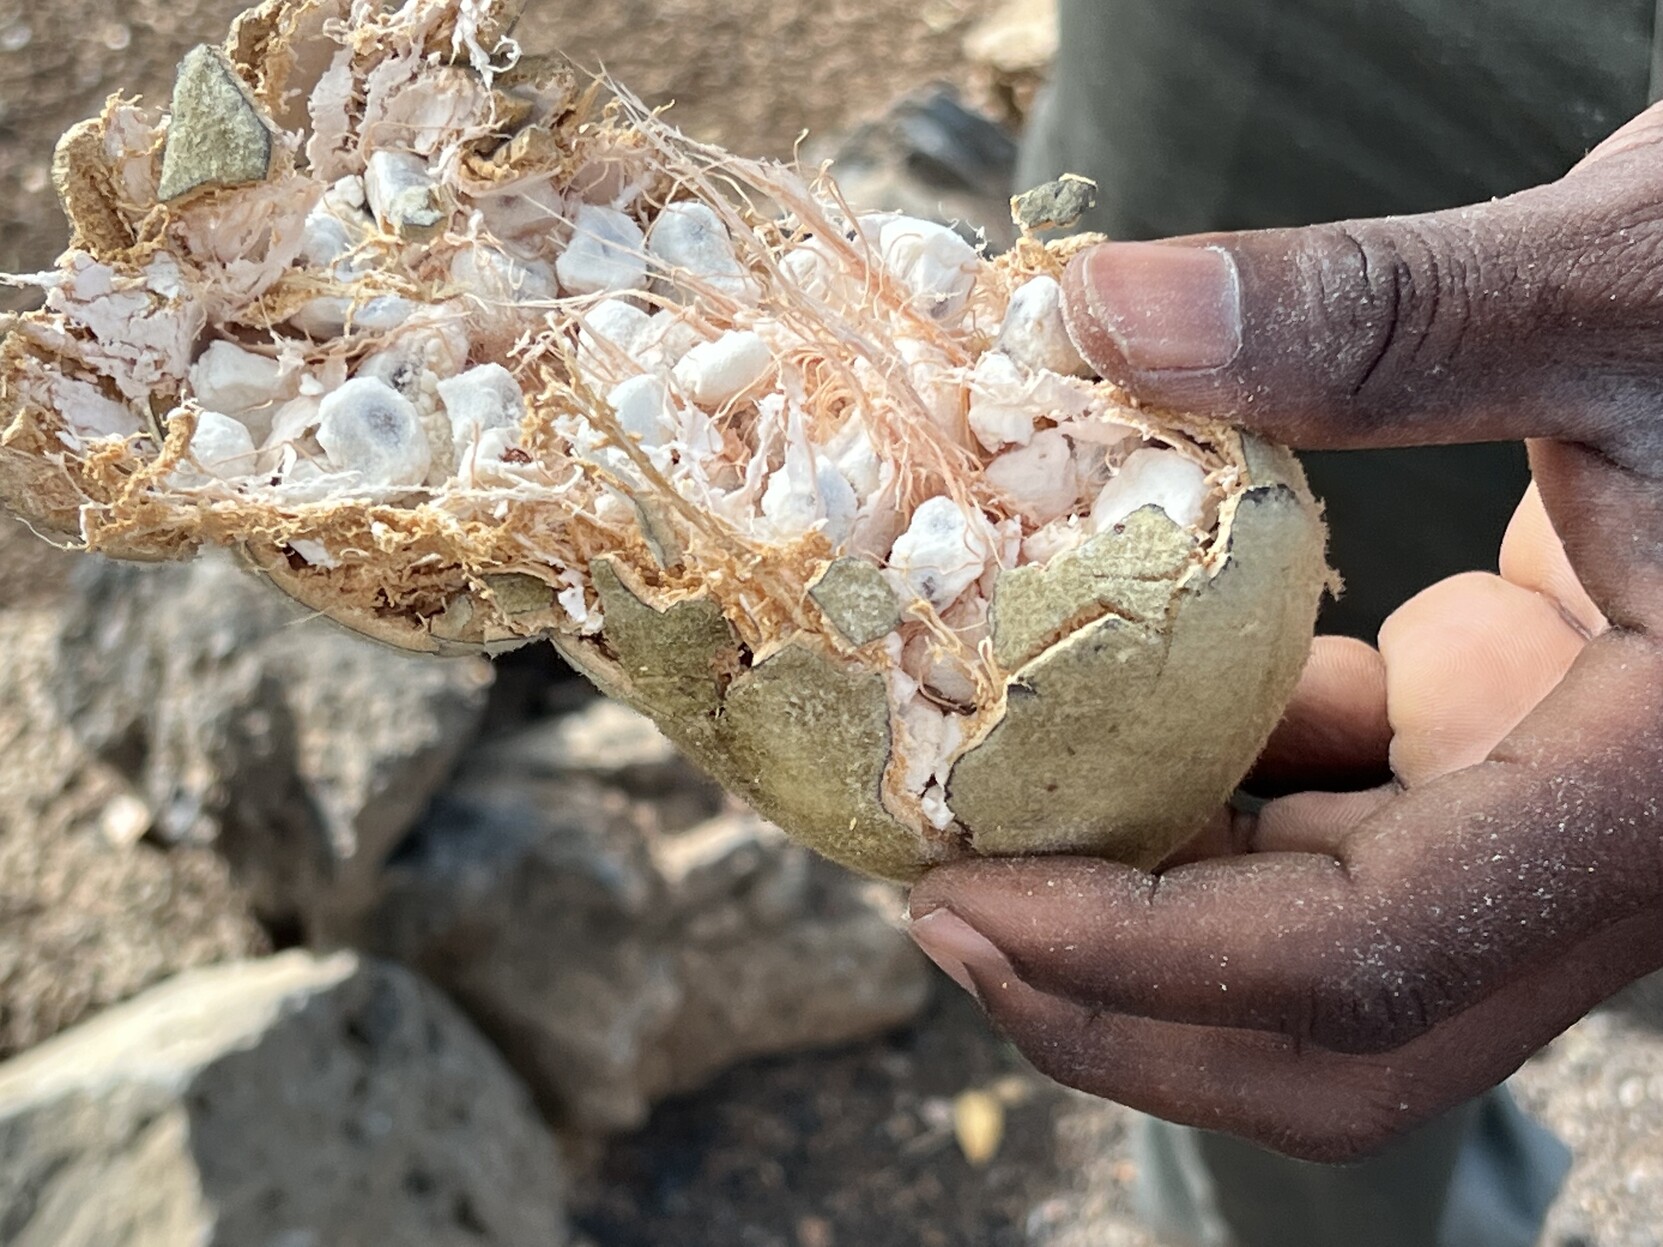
(1433, 905)
(1294, 1097)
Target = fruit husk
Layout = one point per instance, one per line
(1141, 674)
(1118, 740)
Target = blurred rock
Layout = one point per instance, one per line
(293, 1102)
(1012, 49)
(607, 742)
(298, 751)
(615, 953)
(1017, 37)
(604, 740)
(777, 951)
(576, 886)
(32, 570)
(87, 917)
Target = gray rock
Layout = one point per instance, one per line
(218, 135)
(604, 740)
(300, 752)
(616, 958)
(87, 917)
(777, 951)
(289, 1102)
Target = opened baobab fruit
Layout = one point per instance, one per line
(463, 352)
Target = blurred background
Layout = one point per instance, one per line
(303, 943)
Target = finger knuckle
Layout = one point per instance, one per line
(1373, 1008)
(1589, 251)
(1400, 296)
(1609, 277)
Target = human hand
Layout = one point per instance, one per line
(1344, 966)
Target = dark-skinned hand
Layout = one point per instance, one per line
(1343, 966)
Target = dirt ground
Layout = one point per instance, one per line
(857, 1148)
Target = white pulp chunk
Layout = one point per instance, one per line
(610, 329)
(645, 410)
(338, 224)
(1056, 538)
(816, 269)
(857, 459)
(415, 360)
(221, 447)
(692, 248)
(1162, 478)
(489, 452)
(935, 807)
(926, 733)
(346, 194)
(294, 421)
(606, 254)
(530, 210)
(382, 314)
(327, 239)
(482, 400)
(369, 428)
(402, 194)
(943, 552)
(667, 340)
(933, 739)
(1000, 413)
(229, 379)
(1035, 334)
(809, 492)
(617, 340)
(941, 670)
(1039, 480)
(496, 276)
(1098, 429)
(714, 373)
(328, 316)
(315, 553)
(930, 260)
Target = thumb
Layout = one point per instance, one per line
(1539, 315)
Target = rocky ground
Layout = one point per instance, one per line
(859, 1147)
(583, 994)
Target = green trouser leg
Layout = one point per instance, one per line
(1199, 115)
(1482, 1176)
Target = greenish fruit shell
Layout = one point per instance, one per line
(1119, 739)
(1142, 688)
